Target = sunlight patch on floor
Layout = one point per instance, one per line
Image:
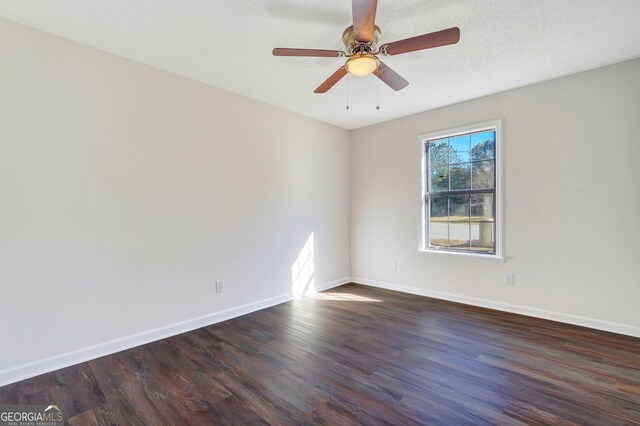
(344, 297)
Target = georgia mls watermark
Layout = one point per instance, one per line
(31, 415)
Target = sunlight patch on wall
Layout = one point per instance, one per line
(302, 271)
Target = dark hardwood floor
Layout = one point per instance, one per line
(357, 355)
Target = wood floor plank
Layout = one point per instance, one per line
(357, 355)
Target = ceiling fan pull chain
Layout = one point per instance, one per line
(347, 93)
(377, 94)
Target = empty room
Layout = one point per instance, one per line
(347, 212)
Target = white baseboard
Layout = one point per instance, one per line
(25, 371)
(333, 284)
(597, 324)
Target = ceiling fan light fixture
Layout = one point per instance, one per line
(362, 65)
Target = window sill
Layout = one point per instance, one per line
(492, 258)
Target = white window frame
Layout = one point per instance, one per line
(423, 140)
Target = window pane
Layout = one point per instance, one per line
(439, 151)
(439, 234)
(482, 175)
(439, 178)
(482, 236)
(482, 208)
(439, 209)
(439, 223)
(461, 176)
(459, 235)
(482, 223)
(459, 208)
(483, 146)
(459, 149)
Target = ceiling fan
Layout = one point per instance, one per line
(362, 50)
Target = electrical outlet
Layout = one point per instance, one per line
(219, 286)
(509, 278)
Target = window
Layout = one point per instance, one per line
(460, 191)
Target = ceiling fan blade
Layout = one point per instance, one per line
(390, 77)
(425, 41)
(364, 19)
(331, 81)
(279, 51)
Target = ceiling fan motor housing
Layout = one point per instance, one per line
(353, 46)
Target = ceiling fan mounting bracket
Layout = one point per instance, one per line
(353, 46)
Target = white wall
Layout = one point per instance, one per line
(572, 202)
(126, 191)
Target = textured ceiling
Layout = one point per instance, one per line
(227, 43)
